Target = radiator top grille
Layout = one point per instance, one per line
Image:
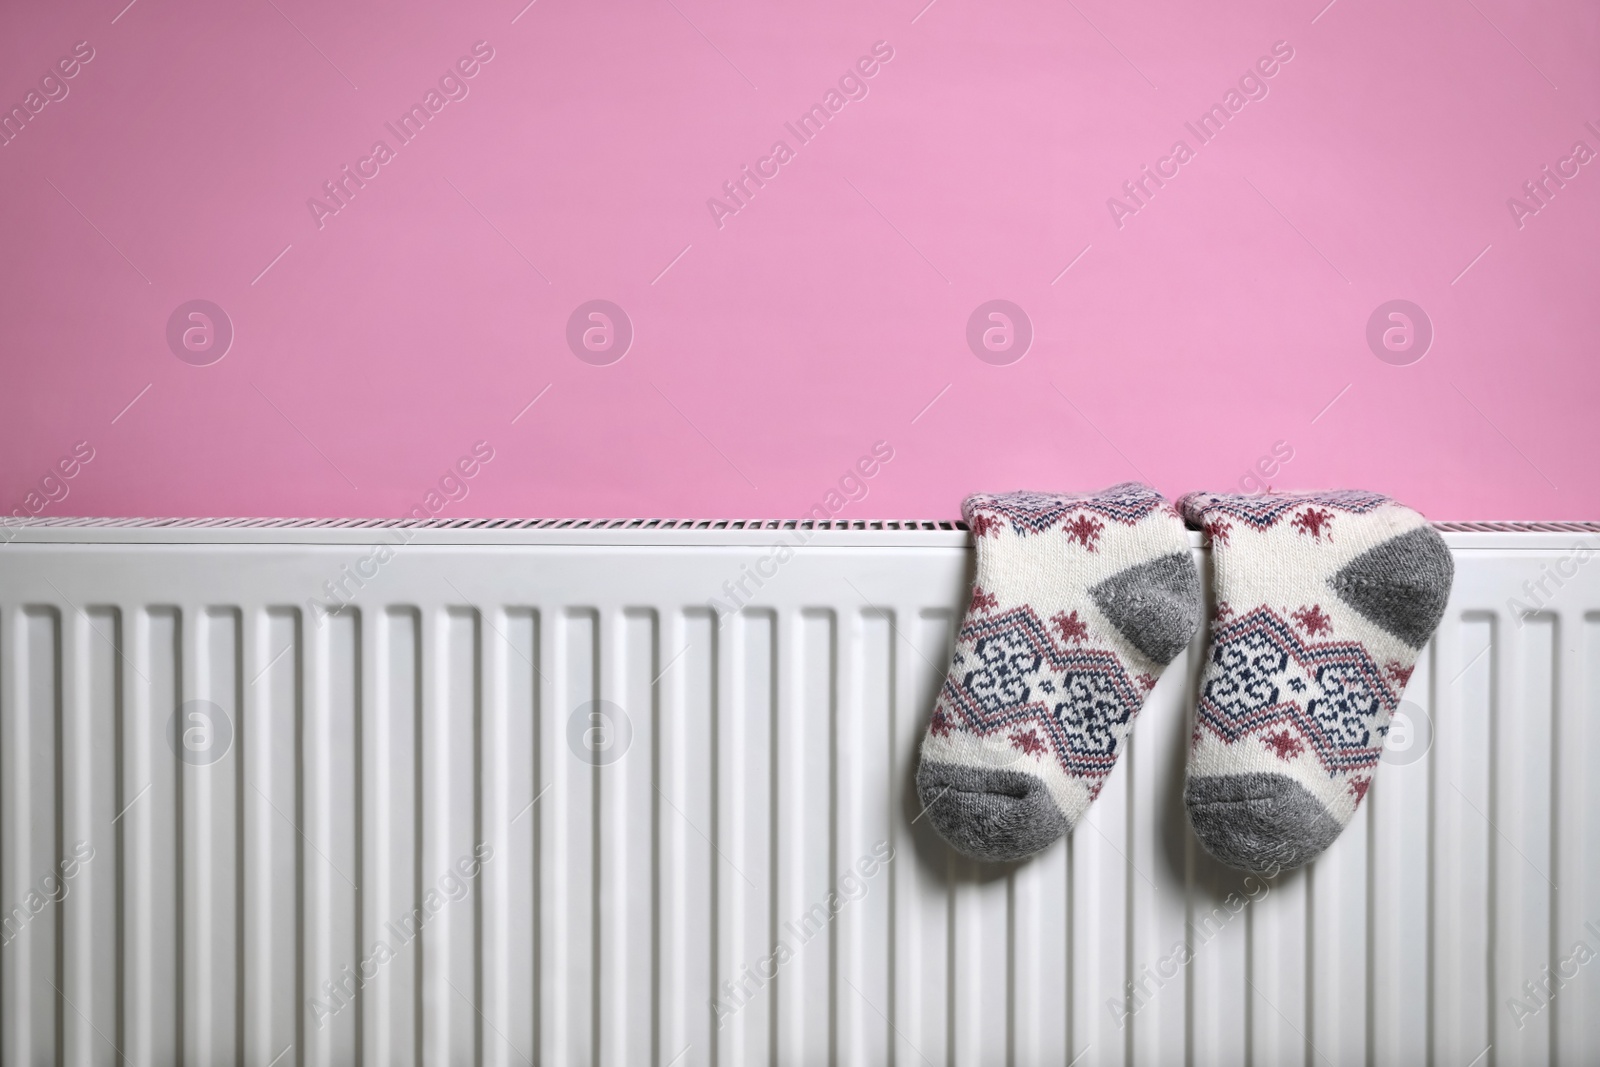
(133, 523)
(233, 523)
(877, 533)
(494, 524)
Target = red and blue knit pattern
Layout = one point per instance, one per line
(1011, 676)
(1035, 513)
(1332, 693)
(1263, 512)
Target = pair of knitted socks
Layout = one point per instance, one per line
(1323, 602)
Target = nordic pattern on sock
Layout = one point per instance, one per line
(1324, 601)
(1262, 512)
(1034, 513)
(1329, 696)
(1078, 603)
(1010, 677)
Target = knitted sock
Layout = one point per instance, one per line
(1324, 601)
(1078, 603)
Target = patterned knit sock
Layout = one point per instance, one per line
(1078, 603)
(1324, 601)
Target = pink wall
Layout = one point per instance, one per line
(1223, 320)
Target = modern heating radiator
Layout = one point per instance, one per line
(556, 793)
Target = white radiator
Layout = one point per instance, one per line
(529, 798)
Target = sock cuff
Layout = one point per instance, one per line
(1310, 516)
(1029, 514)
(1262, 510)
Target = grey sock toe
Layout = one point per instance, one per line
(987, 813)
(1259, 822)
(1401, 585)
(1155, 604)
